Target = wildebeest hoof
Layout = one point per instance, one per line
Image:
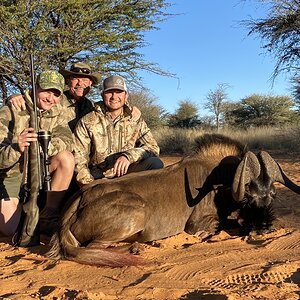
(135, 248)
(257, 232)
(255, 235)
(203, 235)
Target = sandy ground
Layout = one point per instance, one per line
(224, 267)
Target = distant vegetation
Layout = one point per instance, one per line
(260, 121)
(181, 141)
(109, 36)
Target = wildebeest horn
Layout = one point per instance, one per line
(247, 170)
(275, 172)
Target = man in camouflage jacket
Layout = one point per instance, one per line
(79, 80)
(111, 142)
(16, 135)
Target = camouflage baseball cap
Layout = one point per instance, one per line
(51, 80)
(114, 82)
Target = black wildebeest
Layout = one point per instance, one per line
(195, 195)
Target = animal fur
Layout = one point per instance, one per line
(195, 195)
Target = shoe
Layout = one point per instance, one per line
(49, 220)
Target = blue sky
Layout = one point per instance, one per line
(206, 45)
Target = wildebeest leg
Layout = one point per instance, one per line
(117, 216)
(98, 244)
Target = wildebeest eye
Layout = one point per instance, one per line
(247, 189)
(253, 188)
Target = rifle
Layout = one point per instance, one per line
(44, 138)
(28, 229)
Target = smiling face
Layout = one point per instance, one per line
(47, 98)
(79, 86)
(114, 100)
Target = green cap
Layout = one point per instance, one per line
(51, 80)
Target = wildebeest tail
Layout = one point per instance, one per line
(103, 257)
(69, 248)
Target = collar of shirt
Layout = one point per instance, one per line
(69, 99)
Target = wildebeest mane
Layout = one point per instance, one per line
(216, 145)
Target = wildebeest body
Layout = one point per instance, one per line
(142, 214)
(194, 195)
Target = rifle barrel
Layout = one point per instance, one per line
(35, 120)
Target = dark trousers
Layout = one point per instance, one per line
(150, 163)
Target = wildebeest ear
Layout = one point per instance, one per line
(247, 170)
(274, 171)
(270, 166)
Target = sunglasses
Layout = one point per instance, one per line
(80, 70)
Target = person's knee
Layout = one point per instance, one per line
(8, 230)
(65, 160)
(155, 163)
(10, 213)
(69, 161)
(152, 163)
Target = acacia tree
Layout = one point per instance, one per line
(280, 33)
(215, 100)
(106, 33)
(152, 113)
(259, 110)
(185, 116)
(296, 91)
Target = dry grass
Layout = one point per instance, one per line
(181, 141)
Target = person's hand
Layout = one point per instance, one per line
(121, 166)
(17, 102)
(27, 135)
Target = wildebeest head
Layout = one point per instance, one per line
(255, 177)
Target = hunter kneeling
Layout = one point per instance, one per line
(112, 140)
(15, 137)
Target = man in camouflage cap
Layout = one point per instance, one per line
(79, 80)
(109, 141)
(16, 136)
